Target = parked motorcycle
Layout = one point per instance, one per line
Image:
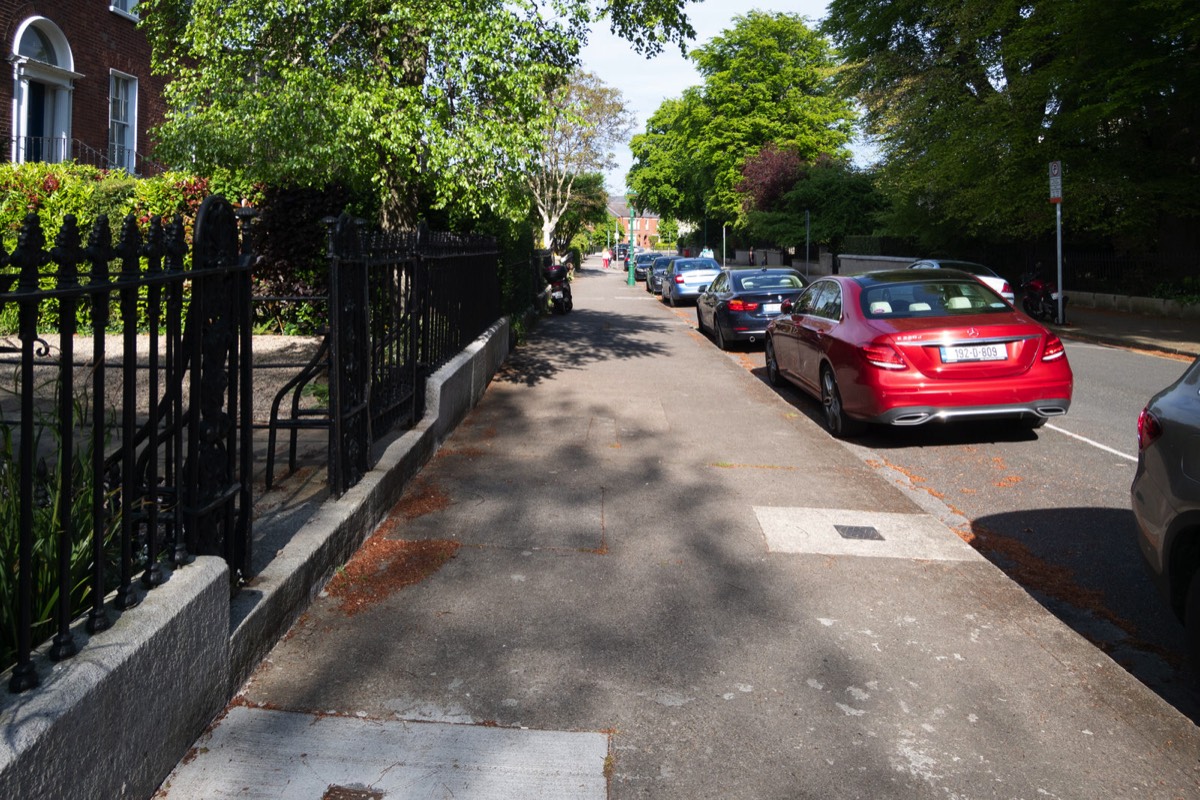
(560, 288)
(1039, 298)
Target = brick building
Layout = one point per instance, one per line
(645, 223)
(81, 86)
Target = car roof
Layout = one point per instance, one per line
(703, 263)
(973, 267)
(896, 276)
(762, 270)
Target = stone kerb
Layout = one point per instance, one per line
(113, 720)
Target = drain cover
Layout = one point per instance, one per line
(858, 532)
(350, 793)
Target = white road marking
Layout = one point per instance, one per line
(1093, 443)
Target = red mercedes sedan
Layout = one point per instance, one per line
(910, 346)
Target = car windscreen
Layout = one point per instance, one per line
(767, 282)
(930, 299)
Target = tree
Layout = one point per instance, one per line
(970, 100)
(587, 208)
(769, 79)
(780, 188)
(586, 121)
(422, 104)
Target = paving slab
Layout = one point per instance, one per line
(261, 754)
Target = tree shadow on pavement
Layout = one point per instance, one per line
(579, 338)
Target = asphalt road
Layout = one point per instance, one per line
(1051, 507)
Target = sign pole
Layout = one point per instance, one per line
(1056, 197)
(1058, 224)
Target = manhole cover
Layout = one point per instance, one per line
(350, 793)
(858, 532)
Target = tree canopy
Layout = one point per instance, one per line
(769, 79)
(971, 99)
(586, 208)
(424, 104)
(585, 123)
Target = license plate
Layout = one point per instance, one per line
(771, 308)
(974, 352)
(557, 295)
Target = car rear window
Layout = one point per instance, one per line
(695, 264)
(927, 299)
(766, 281)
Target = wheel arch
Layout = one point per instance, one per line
(1183, 559)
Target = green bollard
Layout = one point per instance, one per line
(629, 278)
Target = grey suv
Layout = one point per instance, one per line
(1166, 498)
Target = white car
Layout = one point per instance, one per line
(999, 285)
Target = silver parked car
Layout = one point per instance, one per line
(1166, 498)
(687, 277)
(999, 285)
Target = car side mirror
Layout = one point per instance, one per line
(786, 306)
(704, 288)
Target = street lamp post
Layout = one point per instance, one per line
(629, 253)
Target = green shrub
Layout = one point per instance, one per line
(46, 525)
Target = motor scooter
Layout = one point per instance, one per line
(1039, 298)
(560, 288)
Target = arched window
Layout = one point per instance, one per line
(43, 80)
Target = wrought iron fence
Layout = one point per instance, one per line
(145, 473)
(59, 149)
(117, 466)
(401, 305)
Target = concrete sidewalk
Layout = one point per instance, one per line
(667, 581)
(1179, 336)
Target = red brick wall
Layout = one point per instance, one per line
(100, 40)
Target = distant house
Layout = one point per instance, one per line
(645, 223)
(81, 86)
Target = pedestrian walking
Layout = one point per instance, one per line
(605, 257)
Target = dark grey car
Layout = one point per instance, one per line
(1166, 498)
(654, 275)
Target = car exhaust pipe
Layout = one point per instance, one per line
(753, 339)
(912, 419)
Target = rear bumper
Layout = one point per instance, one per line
(920, 414)
(744, 328)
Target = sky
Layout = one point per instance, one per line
(645, 83)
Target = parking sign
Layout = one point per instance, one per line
(1055, 181)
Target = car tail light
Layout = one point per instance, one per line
(679, 279)
(1149, 428)
(742, 305)
(883, 355)
(1005, 288)
(1054, 348)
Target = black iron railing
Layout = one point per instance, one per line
(59, 149)
(132, 455)
(401, 305)
(120, 471)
